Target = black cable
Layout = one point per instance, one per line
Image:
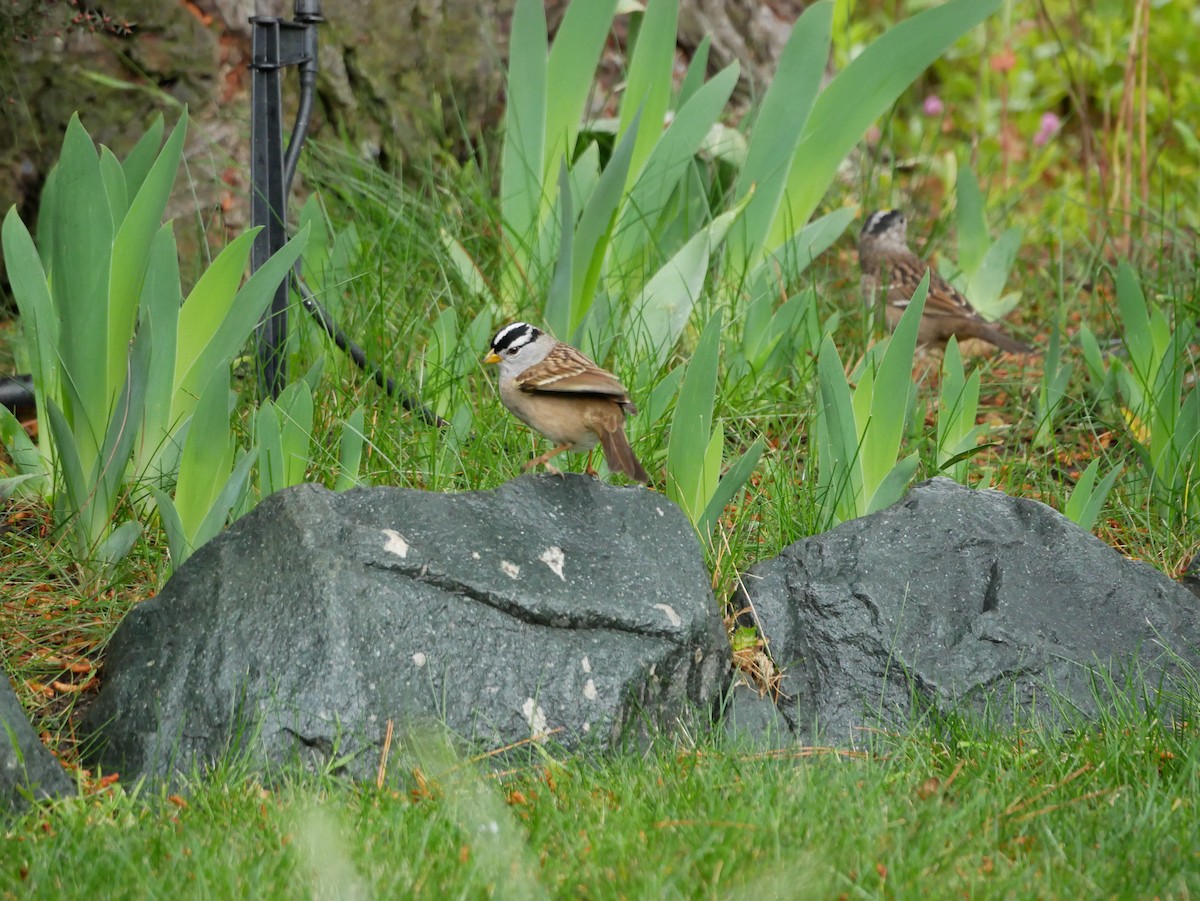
(356, 353)
(308, 12)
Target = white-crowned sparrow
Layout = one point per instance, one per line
(557, 391)
(886, 260)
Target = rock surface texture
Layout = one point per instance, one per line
(957, 599)
(557, 607)
(27, 769)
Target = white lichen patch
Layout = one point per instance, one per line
(589, 690)
(536, 717)
(419, 659)
(554, 558)
(510, 569)
(659, 511)
(674, 617)
(585, 665)
(395, 543)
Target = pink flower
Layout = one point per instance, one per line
(1048, 128)
(933, 105)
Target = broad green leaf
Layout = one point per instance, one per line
(694, 77)
(39, 320)
(893, 486)
(114, 185)
(985, 286)
(123, 426)
(523, 155)
(648, 83)
(133, 244)
(30, 484)
(350, 450)
(225, 501)
(177, 540)
(659, 315)
(971, 220)
(666, 167)
(211, 300)
(21, 450)
(838, 471)
(890, 400)
(794, 255)
(730, 484)
(71, 506)
(569, 73)
(1087, 498)
(82, 236)
(270, 450)
(158, 325)
(214, 342)
(465, 267)
(207, 453)
(777, 130)
(859, 95)
(1135, 322)
(657, 318)
(594, 231)
(113, 548)
(958, 402)
(691, 426)
(558, 297)
(295, 409)
(143, 155)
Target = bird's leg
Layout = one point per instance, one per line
(544, 459)
(587, 466)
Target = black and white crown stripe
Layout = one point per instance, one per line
(881, 221)
(514, 335)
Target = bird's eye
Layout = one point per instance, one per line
(512, 351)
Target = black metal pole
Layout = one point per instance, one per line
(275, 44)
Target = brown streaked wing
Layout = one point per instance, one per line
(943, 298)
(567, 371)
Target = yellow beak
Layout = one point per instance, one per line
(493, 357)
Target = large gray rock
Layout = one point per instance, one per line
(958, 600)
(27, 769)
(549, 606)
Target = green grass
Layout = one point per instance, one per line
(944, 811)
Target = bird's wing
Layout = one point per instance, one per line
(567, 371)
(943, 299)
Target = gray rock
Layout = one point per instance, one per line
(557, 606)
(1191, 576)
(955, 599)
(755, 718)
(27, 769)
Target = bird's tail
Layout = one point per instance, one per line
(619, 455)
(994, 335)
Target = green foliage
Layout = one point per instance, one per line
(633, 243)
(860, 429)
(1155, 391)
(1088, 496)
(211, 477)
(1051, 392)
(984, 265)
(119, 363)
(694, 478)
(958, 402)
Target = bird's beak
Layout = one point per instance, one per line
(493, 357)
